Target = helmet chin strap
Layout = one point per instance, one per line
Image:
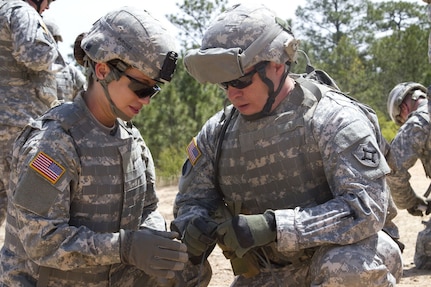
(104, 83)
(271, 93)
(113, 75)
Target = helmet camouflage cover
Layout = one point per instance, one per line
(134, 37)
(239, 38)
(397, 95)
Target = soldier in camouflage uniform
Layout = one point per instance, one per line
(290, 180)
(408, 107)
(82, 204)
(70, 80)
(27, 82)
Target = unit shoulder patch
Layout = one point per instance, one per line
(367, 154)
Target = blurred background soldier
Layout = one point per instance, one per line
(408, 107)
(70, 80)
(28, 54)
(298, 164)
(83, 211)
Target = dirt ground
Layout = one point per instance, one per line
(409, 227)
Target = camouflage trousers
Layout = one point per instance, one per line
(375, 261)
(7, 137)
(422, 257)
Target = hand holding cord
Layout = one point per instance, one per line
(200, 238)
(244, 232)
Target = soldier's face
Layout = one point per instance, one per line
(251, 99)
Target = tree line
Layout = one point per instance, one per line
(367, 47)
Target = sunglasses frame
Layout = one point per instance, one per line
(141, 89)
(246, 80)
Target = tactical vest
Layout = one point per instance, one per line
(109, 196)
(252, 178)
(252, 175)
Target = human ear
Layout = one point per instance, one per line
(101, 70)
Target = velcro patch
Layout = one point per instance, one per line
(193, 152)
(367, 154)
(47, 167)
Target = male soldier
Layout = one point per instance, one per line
(70, 80)
(408, 107)
(298, 165)
(28, 55)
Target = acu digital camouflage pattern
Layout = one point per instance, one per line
(412, 142)
(318, 165)
(254, 32)
(144, 46)
(70, 227)
(27, 83)
(70, 80)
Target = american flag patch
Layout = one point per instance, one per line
(193, 152)
(47, 167)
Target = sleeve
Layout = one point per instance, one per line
(46, 173)
(33, 45)
(79, 80)
(355, 169)
(406, 148)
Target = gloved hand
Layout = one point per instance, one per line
(155, 252)
(243, 232)
(200, 238)
(419, 207)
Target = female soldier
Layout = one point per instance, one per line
(82, 206)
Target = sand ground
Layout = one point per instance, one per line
(409, 227)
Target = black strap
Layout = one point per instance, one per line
(220, 139)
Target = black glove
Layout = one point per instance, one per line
(200, 238)
(154, 252)
(419, 207)
(244, 232)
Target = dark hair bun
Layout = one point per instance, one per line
(78, 52)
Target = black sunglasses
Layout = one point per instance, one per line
(141, 89)
(241, 82)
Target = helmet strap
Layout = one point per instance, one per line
(113, 75)
(271, 93)
(117, 112)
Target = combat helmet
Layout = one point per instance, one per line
(239, 38)
(398, 94)
(135, 38)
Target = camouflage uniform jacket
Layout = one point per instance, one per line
(74, 186)
(316, 163)
(28, 54)
(412, 142)
(70, 81)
